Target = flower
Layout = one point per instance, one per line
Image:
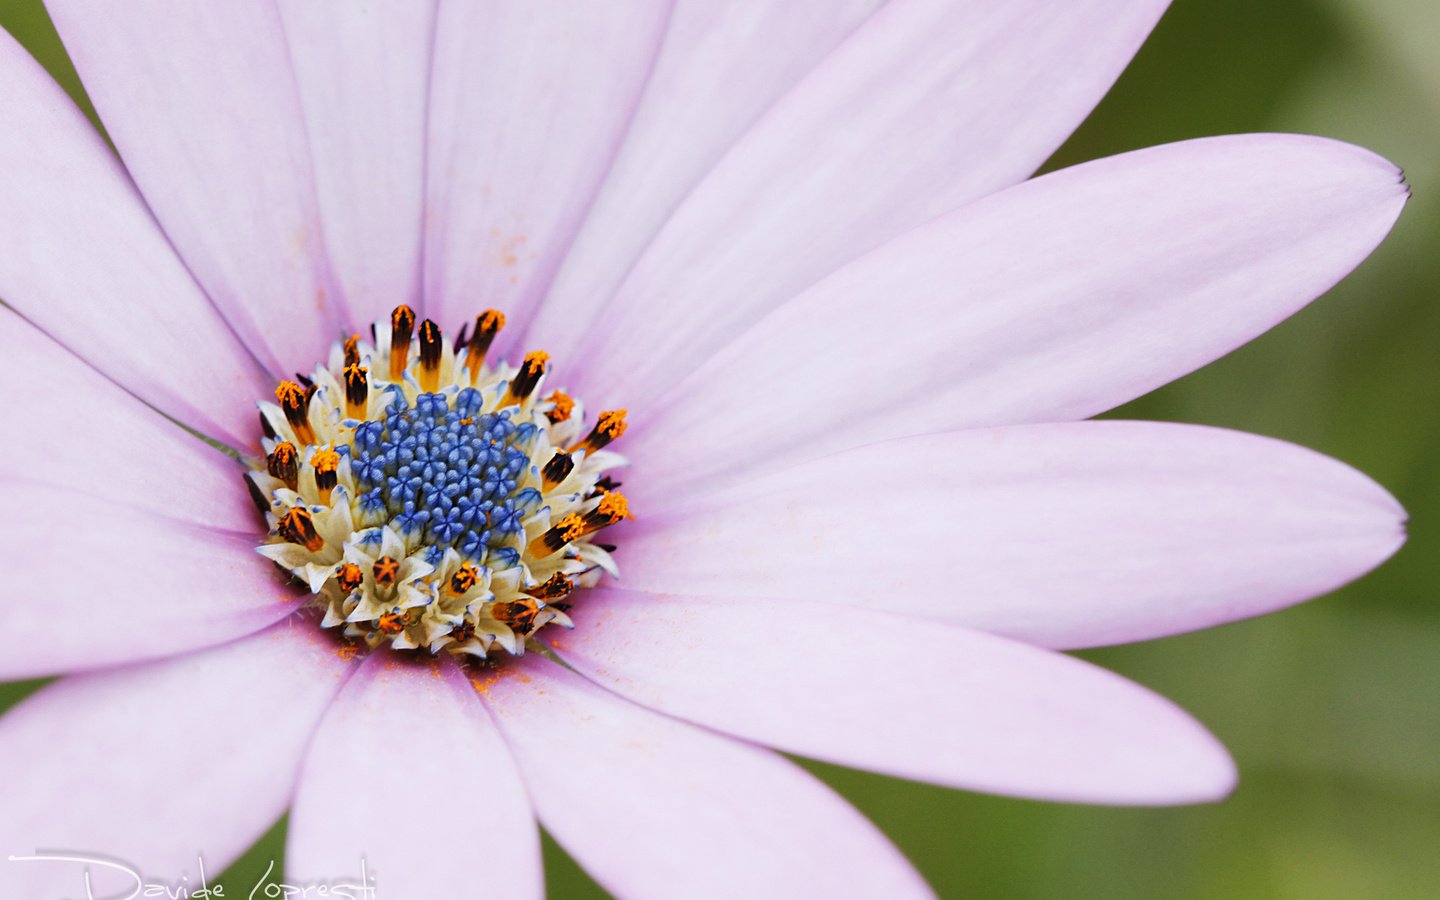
(796, 242)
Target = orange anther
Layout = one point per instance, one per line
(487, 325)
(564, 405)
(295, 402)
(518, 614)
(613, 507)
(385, 570)
(432, 348)
(609, 426)
(465, 578)
(556, 587)
(325, 461)
(402, 326)
(527, 378)
(298, 527)
(349, 577)
(357, 391)
(284, 463)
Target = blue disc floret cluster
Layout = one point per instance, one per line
(432, 500)
(447, 477)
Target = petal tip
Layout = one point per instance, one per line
(1203, 772)
(1218, 780)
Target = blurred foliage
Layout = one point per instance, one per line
(1330, 709)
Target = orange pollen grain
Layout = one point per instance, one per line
(609, 426)
(564, 405)
(392, 623)
(464, 579)
(529, 375)
(571, 527)
(402, 318)
(349, 577)
(556, 587)
(386, 570)
(614, 507)
(612, 423)
(289, 393)
(325, 460)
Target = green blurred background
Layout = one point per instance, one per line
(1330, 709)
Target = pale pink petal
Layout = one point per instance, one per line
(81, 431)
(1067, 535)
(408, 773)
(155, 765)
(93, 583)
(722, 65)
(363, 70)
(527, 106)
(929, 105)
(1056, 299)
(652, 807)
(201, 102)
(85, 262)
(901, 696)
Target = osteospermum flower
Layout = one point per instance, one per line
(795, 242)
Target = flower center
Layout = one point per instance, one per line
(433, 500)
